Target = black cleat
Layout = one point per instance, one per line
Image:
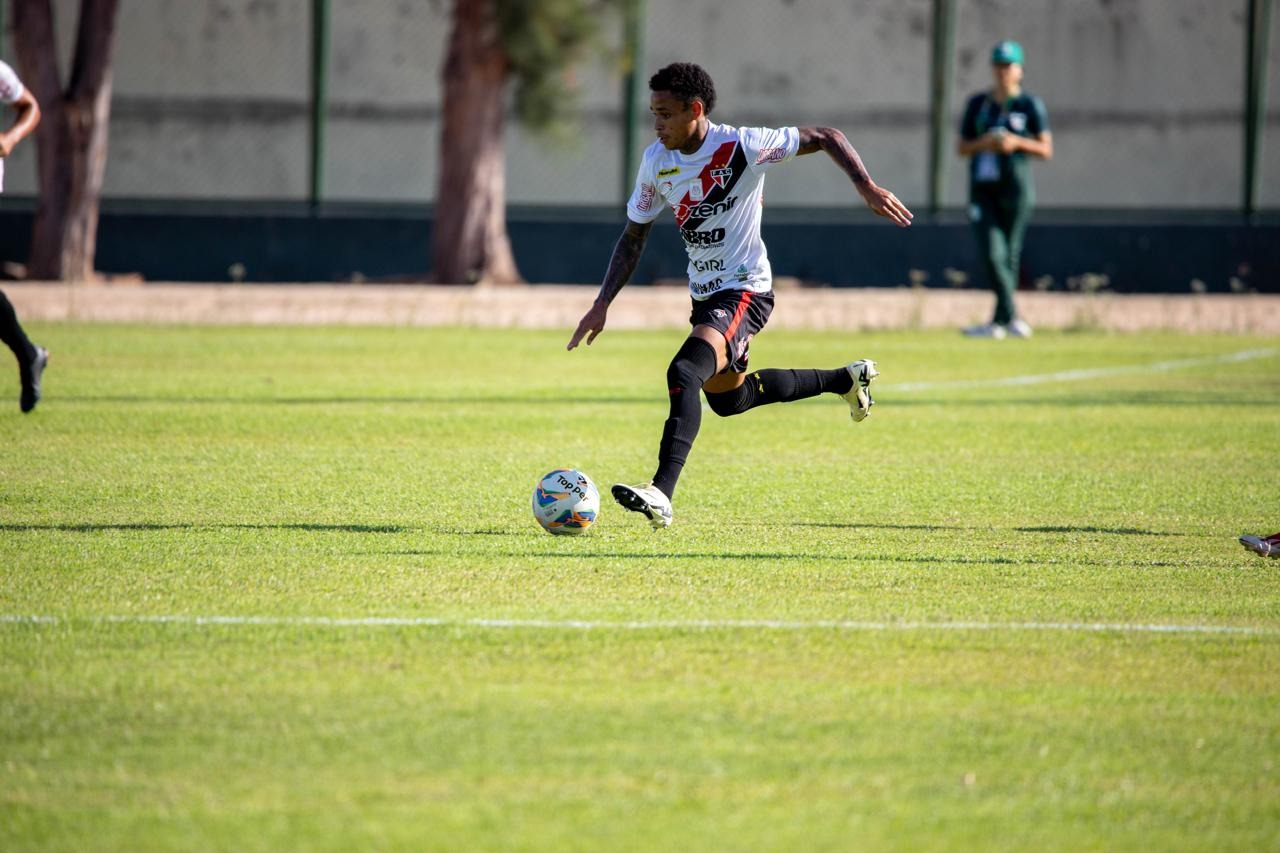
(30, 374)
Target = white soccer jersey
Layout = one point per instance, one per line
(716, 195)
(10, 90)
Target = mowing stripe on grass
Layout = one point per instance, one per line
(654, 625)
(1083, 374)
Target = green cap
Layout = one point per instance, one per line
(1005, 52)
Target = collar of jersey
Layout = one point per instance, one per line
(711, 127)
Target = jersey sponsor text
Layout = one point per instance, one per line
(716, 195)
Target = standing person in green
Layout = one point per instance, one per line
(1001, 130)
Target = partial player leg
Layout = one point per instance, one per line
(694, 364)
(11, 332)
(31, 358)
(784, 385)
(1263, 546)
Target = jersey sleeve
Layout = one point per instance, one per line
(1037, 117)
(768, 146)
(969, 123)
(11, 88)
(644, 205)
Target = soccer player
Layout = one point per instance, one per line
(1000, 130)
(712, 177)
(31, 358)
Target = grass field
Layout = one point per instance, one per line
(995, 615)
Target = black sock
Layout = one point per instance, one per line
(693, 365)
(11, 332)
(779, 386)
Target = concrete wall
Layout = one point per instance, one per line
(1144, 97)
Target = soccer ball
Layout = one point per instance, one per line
(566, 502)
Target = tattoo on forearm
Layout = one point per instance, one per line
(837, 146)
(626, 255)
(847, 159)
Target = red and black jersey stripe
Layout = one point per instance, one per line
(718, 179)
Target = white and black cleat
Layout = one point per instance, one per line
(859, 396)
(647, 500)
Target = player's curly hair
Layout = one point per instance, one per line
(686, 81)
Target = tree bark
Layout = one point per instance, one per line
(470, 234)
(71, 141)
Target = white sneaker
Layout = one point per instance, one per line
(859, 396)
(1019, 328)
(647, 499)
(985, 330)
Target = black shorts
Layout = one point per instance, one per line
(738, 315)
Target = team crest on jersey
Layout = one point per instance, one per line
(721, 176)
(1017, 122)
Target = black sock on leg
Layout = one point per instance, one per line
(783, 386)
(11, 333)
(693, 365)
(779, 386)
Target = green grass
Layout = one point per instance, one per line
(355, 472)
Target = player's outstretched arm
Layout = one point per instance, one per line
(836, 144)
(626, 254)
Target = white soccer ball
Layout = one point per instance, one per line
(566, 502)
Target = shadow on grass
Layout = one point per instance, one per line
(89, 527)
(857, 559)
(142, 526)
(805, 557)
(1114, 531)
(853, 525)
(544, 400)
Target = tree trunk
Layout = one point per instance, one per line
(71, 141)
(470, 234)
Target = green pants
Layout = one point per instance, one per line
(1000, 220)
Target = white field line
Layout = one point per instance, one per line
(647, 625)
(1083, 374)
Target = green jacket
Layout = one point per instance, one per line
(1023, 115)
